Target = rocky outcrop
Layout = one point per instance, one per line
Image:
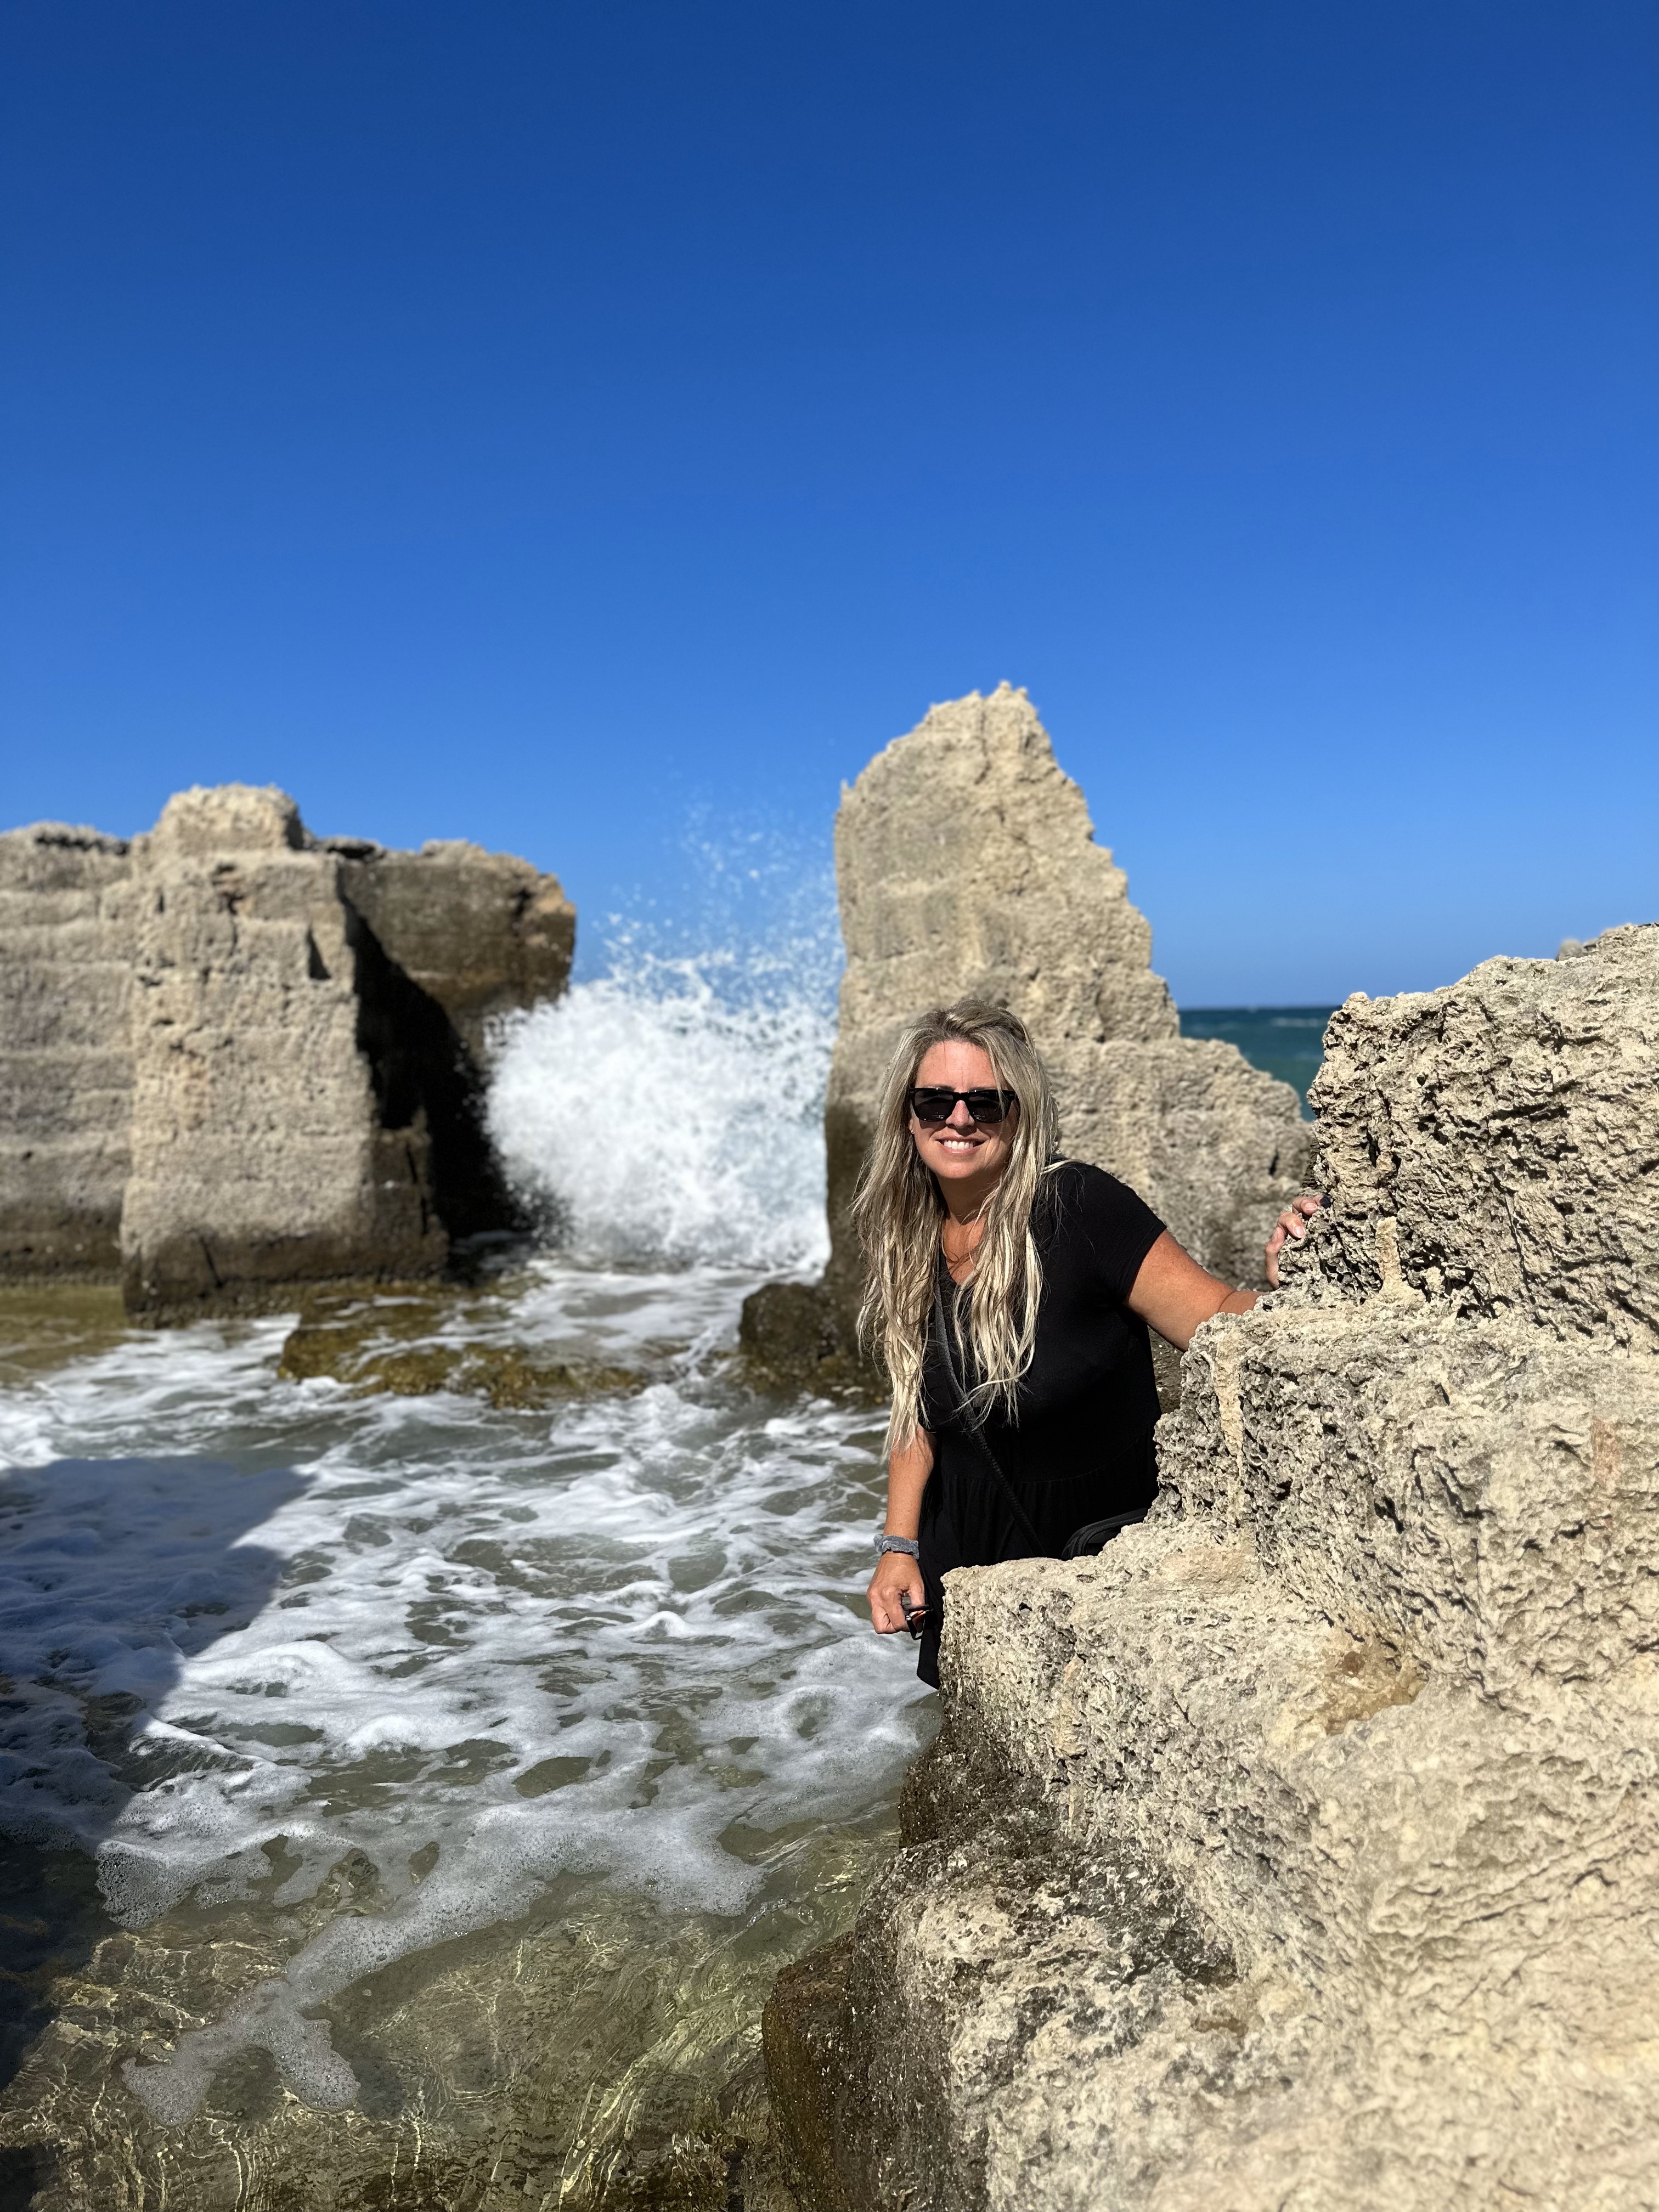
(1508, 1128)
(65, 1066)
(287, 1086)
(481, 933)
(966, 864)
(1300, 1851)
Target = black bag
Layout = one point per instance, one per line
(1095, 1536)
(1083, 1543)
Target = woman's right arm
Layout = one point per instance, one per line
(898, 1578)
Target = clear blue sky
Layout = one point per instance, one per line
(550, 424)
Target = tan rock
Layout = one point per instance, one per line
(1498, 1142)
(481, 933)
(65, 1066)
(272, 1142)
(237, 1058)
(306, 1105)
(967, 863)
(1301, 1849)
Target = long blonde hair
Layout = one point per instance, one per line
(899, 1208)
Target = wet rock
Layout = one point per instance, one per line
(967, 863)
(791, 1339)
(1368, 1709)
(394, 1347)
(66, 1069)
(593, 2058)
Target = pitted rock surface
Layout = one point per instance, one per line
(1498, 1142)
(66, 1061)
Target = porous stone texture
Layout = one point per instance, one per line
(264, 1150)
(966, 864)
(239, 1058)
(65, 1066)
(1300, 1851)
(304, 1110)
(1508, 1130)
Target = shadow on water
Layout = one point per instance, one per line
(112, 1574)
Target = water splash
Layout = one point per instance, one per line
(670, 1109)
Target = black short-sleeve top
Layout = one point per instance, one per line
(1080, 1444)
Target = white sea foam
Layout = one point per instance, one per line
(659, 1116)
(622, 1637)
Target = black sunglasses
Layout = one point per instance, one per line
(932, 1106)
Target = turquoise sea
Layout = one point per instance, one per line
(1285, 1041)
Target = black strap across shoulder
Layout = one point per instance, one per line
(1082, 1543)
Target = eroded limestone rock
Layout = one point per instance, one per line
(967, 863)
(239, 1058)
(482, 933)
(1499, 1142)
(1369, 1706)
(279, 1131)
(236, 1058)
(66, 1064)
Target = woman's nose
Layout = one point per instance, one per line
(960, 1118)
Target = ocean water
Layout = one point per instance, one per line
(1287, 1042)
(411, 1793)
(455, 1777)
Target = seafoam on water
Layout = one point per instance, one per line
(250, 1616)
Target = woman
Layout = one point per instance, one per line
(1011, 1292)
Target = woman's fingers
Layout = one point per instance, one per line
(1292, 1223)
(880, 1613)
(895, 1583)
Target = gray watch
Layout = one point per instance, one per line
(908, 1545)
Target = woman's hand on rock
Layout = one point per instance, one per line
(897, 1579)
(1292, 1224)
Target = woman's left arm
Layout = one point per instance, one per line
(1175, 1295)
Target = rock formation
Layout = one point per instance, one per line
(966, 863)
(480, 932)
(1509, 1128)
(1300, 1851)
(65, 1065)
(251, 1058)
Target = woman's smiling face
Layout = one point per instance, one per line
(960, 1151)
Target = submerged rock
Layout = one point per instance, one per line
(592, 2053)
(1301, 1848)
(967, 863)
(246, 1058)
(394, 1345)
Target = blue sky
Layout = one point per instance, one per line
(570, 427)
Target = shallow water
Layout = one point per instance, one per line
(456, 1776)
(413, 1791)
